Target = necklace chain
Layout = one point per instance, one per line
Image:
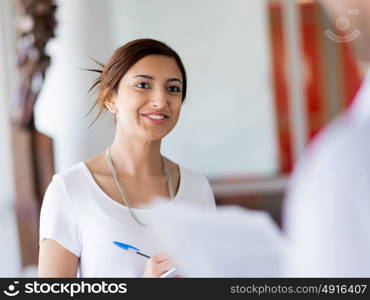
(122, 191)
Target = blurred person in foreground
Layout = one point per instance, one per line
(327, 207)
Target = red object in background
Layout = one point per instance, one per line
(353, 78)
(315, 69)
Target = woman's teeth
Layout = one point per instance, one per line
(156, 117)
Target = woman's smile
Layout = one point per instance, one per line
(156, 118)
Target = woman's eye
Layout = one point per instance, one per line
(143, 85)
(174, 89)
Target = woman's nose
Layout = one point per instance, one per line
(158, 99)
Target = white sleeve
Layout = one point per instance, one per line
(58, 219)
(208, 196)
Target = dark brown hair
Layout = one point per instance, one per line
(121, 61)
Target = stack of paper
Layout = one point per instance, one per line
(228, 242)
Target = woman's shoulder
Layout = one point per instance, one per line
(77, 170)
(192, 176)
(71, 175)
(181, 170)
(70, 170)
(69, 184)
(196, 188)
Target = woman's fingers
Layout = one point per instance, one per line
(160, 257)
(165, 266)
(157, 265)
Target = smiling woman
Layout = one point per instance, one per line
(106, 198)
(124, 58)
(155, 98)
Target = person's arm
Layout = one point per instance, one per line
(56, 261)
(59, 236)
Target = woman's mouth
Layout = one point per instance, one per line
(155, 118)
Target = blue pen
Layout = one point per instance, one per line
(130, 248)
(127, 247)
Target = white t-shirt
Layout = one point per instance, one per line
(81, 217)
(327, 207)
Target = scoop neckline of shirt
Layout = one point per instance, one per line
(121, 206)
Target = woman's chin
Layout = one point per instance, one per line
(154, 136)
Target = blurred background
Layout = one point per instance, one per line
(264, 77)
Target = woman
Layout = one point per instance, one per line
(101, 200)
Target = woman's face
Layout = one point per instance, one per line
(149, 98)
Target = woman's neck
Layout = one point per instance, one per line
(136, 157)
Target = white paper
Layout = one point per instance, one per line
(229, 242)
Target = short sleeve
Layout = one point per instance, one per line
(209, 198)
(58, 219)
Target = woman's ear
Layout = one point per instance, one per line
(111, 105)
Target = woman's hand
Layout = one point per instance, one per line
(157, 265)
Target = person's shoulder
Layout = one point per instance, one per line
(69, 183)
(343, 137)
(58, 189)
(185, 174)
(70, 175)
(197, 189)
(75, 171)
(341, 149)
(192, 175)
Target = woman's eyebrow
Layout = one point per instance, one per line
(152, 78)
(145, 76)
(173, 79)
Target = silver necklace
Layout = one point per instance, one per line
(122, 190)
